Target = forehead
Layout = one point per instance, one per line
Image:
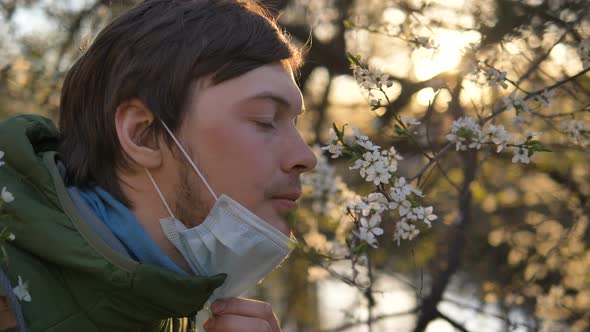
(267, 80)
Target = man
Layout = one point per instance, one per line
(179, 118)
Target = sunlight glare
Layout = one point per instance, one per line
(439, 325)
(425, 96)
(428, 63)
(394, 16)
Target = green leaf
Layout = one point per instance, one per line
(537, 146)
(4, 255)
(348, 154)
(354, 59)
(339, 133)
(361, 249)
(542, 148)
(531, 153)
(399, 130)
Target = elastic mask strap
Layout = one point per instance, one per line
(160, 193)
(189, 160)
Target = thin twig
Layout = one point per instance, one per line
(434, 159)
(377, 318)
(453, 322)
(530, 95)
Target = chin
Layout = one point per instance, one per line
(280, 223)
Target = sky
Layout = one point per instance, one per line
(33, 19)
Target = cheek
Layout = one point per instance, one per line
(237, 161)
(241, 162)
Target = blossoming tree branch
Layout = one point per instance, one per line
(507, 125)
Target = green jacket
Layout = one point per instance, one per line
(76, 281)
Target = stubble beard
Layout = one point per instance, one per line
(190, 206)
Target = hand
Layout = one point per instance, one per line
(241, 315)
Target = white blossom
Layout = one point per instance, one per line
(372, 156)
(359, 164)
(499, 136)
(362, 76)
(534, 133)
(576, 129)
(322, 179)
(393, 157)
(521, 154)
(376, 167)
(478, 140)
(516, 101)
(382, 79)
(327, 189)
(379, 166)
(11, 237)
(359, 206)
(496, 78)
(363, 140)
(405, 231)
(368, 230)
(459, 141)
(22, 290)
(377, 202)
(370, 78)
(545, 97)
(397, 196)
(466, 132)
(334, 148)
(409, 231)
(368, 145)
(6, 195)
(410, 121)
(425, 214)
(400, 191)
(379, 172)
(405, 208)
(573, 127)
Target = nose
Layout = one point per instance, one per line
(298, 157)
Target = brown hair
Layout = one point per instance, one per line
(154, 52)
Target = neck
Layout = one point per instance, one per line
(148, 209)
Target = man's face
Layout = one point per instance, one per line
(241, 135)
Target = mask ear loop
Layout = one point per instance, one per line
(190, 160)
(160, 193)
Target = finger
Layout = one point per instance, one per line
(248, 308)
(235, 323)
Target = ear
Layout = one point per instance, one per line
(132, 121)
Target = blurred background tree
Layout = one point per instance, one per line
(510, 248)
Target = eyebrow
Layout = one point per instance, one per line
(277, 99)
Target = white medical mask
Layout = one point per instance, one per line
(231, 240)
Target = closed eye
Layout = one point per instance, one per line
(264, 125)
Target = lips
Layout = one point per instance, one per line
(292, 196)
(287, 201)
